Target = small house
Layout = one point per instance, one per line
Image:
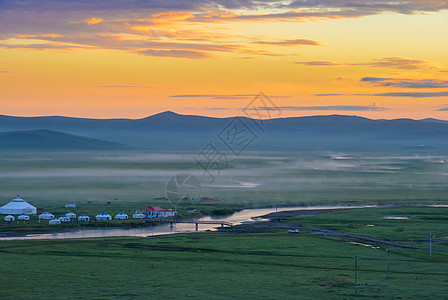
(103, 216)
(54, 222)
(70, 205)
(158, 212)
(64, 219)
(83, 218)
(121, 216)
(23, 217)
(71, 215)
(46, 216)
(138, 215)
(9, 218)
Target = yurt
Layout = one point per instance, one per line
(138, 215)
(46, 215)
(103, 216)
(121, 216)
(71, 215)
(18, 206)
(83, 218)
(64, 219)
(23, 217)
(54, 222)
(9, 218)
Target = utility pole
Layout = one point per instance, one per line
(388, 264)
(356, 275)
(430, 243)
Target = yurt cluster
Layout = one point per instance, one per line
(20, 208)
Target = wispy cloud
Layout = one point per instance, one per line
(294, 42)
(326, 108)
(125, 86)
(387, 62)
(392, 94)
(223, 97)
(407, 83)
(413, 95)
(176, 53)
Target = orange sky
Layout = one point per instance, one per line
(113, 59)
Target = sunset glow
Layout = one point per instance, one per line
(106, 59)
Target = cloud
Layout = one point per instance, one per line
(413, 95)
(128, 25)
(176, 53)
(401, 63)
(124, 86)
(294, 42)
(223, 97)
(327, 108)
(387, 62)
(320, 63)
(93, 21)
(407, 83)
(6, 72)
(393, 94)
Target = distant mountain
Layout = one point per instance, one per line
(171, 131)
(44, 139)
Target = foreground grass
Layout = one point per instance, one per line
(268, 265)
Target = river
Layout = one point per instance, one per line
(243, 216)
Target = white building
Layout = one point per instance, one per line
(158, 212)
(23, 217)
(71, 215)
(46, 216)
(18, 206)
(70, 205)
(54, 222)
(9, 218)
(121, 216)
(83, 218)
(103, 216)
(138, 215)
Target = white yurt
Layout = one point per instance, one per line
(46, 215)
(23, 217)
(18, 206)
(83, 218)
(9, 218)
(71, 215)
(64, 219)
(138, 215)
(121, 216)
(54, 222)
(103, 216)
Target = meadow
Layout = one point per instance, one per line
(266, 263)
(130, 180)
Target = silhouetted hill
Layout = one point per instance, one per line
(44, 139)
(171, 131)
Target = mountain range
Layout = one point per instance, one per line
(171, 131)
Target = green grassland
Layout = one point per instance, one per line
(133, 179)
(264, 264)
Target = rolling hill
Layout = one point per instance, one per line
(171, 131)
(44, 139)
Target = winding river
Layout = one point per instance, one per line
(243, 216)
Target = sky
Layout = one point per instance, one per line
(134, 58)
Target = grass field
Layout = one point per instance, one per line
(269, 264)
(133, 179)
